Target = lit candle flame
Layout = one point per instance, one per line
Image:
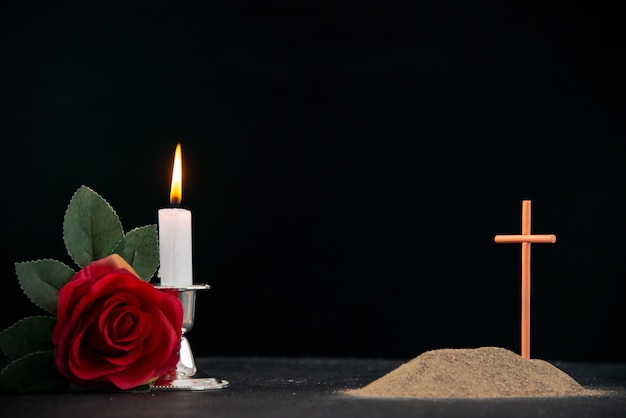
(176, 192)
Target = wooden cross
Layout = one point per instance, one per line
(526, 238)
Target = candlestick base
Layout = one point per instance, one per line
(187, 376)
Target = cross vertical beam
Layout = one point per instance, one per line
(525, 239)
(526, 280)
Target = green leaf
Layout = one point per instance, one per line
(140, 248)
(41, 281)
(27, 335)
(33, 373)
(91, 228)
(140, 389)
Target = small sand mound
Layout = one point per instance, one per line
(486, 372)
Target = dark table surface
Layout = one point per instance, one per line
(312, 387)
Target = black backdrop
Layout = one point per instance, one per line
(347, 164)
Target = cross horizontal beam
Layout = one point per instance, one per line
(532, 238)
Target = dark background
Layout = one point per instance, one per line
(347, 164)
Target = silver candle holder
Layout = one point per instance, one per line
(187, 376)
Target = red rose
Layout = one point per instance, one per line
(112, 327)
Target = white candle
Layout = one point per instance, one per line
(175, 251)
